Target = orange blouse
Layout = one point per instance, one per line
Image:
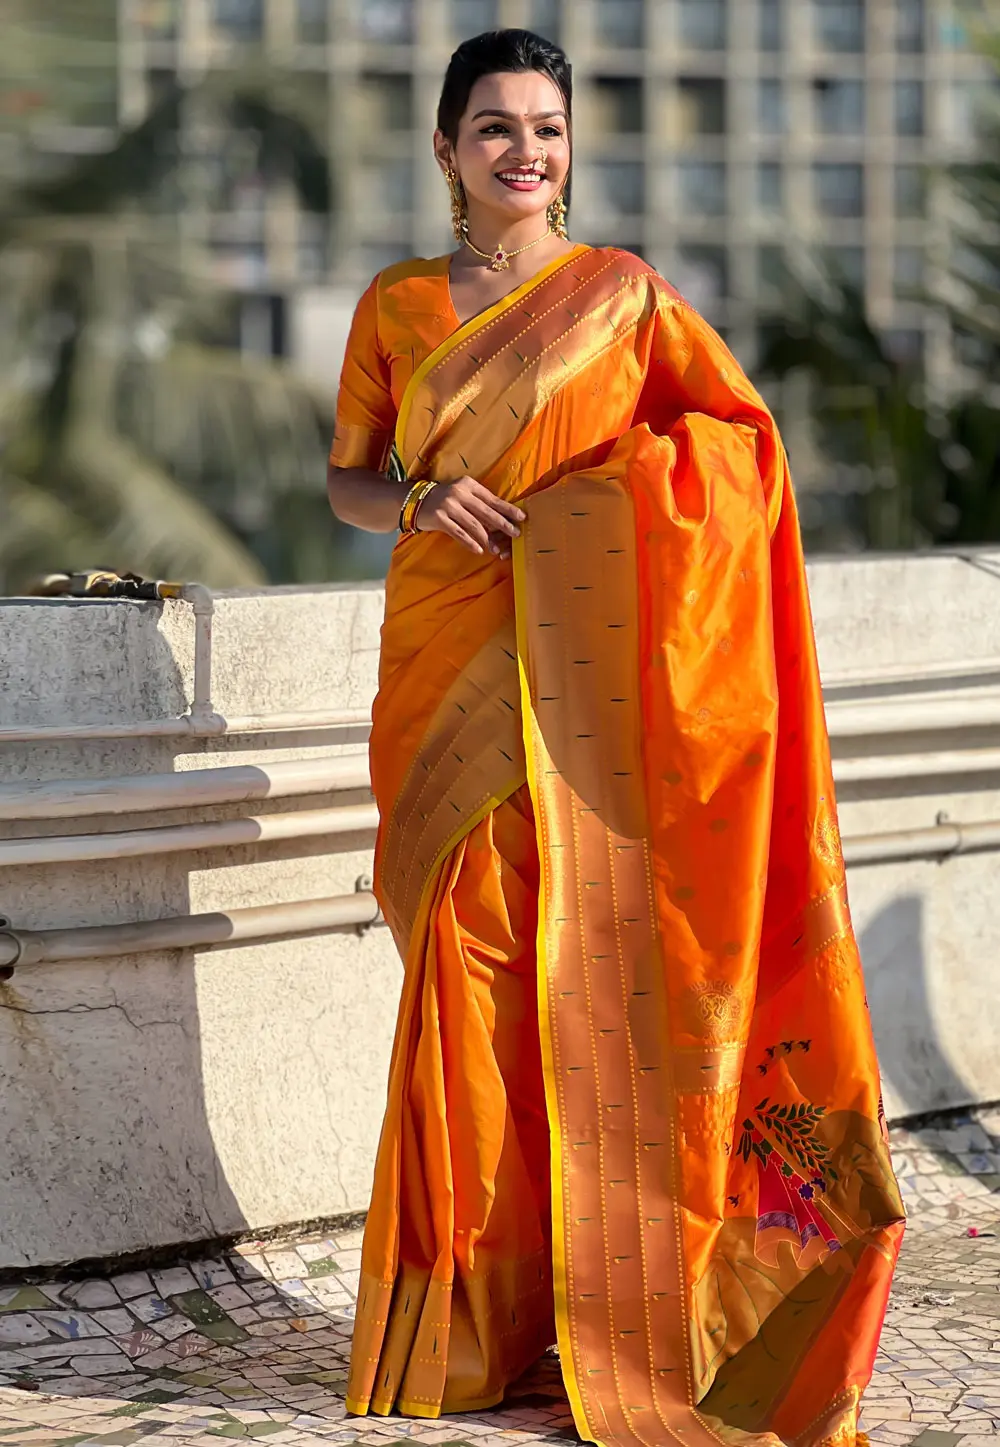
(405, 313)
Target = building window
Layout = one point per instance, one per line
(905, 345)
(909, 108)
(389, 185)
(242, 19)
(472, 17)
(312, 17)
(840, 25)
(618, 105)
(619, 188)
(161, 84)
(771, 107)
(840, 188)
(620, 23)
(908, 273)
(770, 27)
(701, 106)
(543, 19)
(770, 186)
(702, 188)
(911, 24)
(911, 191)
(846, 264)
(702, 24)
(772, 273)
(702, 276)
(839, 107)
(385, 103)
(972, 350)
(388, 21)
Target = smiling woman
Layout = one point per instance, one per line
(633, 1104)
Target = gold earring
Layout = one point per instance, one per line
(557, 217)
(459, 217)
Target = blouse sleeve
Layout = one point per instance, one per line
(366, 413)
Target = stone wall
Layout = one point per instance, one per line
(182, 1095)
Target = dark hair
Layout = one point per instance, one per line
(497, 52)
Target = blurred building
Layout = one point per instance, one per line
(721, 139)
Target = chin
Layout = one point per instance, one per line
(521, 208)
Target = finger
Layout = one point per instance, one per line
(491, 516)
(461, 536)
(499, 504)
(464, 518)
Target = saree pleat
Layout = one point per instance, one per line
(634, 1105)
(461, 1197)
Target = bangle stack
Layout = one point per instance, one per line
(411, 506)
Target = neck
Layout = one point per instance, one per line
(490, 233)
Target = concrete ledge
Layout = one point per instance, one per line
(188, 1096)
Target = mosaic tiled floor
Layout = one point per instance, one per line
(254, 1344)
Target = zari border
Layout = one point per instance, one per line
(466, 330)
(560, 1289)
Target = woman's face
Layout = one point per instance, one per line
(513, 150)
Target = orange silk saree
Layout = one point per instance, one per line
(633, 1104)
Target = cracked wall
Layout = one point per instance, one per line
(176, 1097)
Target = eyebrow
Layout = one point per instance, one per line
(511, 116)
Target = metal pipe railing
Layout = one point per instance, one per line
(176, 838)
(187, 931)
(939, 841)
(192, 788)
(847, 718)
(889, 768)
(905, 715)
(207, 931)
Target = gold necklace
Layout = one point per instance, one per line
(500, 259)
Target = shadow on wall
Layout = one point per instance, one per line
(104, 1134)
(919, 1073)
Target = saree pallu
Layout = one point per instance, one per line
(634, 1103)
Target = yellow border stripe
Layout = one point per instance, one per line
(560, 1289)
(466, 330)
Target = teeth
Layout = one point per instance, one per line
(520, 176)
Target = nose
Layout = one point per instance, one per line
(525, 147)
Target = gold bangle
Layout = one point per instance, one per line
(411, 506)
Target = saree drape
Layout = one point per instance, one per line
(633, 1103)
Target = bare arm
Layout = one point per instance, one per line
(365, 499)
(465, 510)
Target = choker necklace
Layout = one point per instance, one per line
(500, 259)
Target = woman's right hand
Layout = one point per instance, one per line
(472, 515)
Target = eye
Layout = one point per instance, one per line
(551, 132)
(497, 128)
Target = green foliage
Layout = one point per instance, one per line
(908, 467)
(872, 418)
(133, 436)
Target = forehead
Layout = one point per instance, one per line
(528, 94)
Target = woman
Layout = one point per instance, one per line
(633, 1103)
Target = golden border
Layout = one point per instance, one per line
(560, 1289)
(466, 330)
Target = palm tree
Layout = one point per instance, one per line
(886, 481)
(131, 435)
(908, 469)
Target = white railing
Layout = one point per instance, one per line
(953, 709)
